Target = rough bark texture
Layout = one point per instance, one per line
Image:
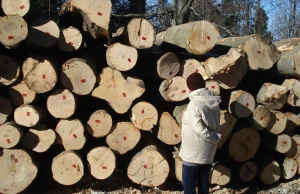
(289, 63)
(293, 86)
(227, 123)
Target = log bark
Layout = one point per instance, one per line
(244, 144)
(293, 86)
(61, 104)
(148, 168)
(121, 57)
(15, 7)
(261, 118)
(39, 74)
(196, 37)
(123, 138)
(67, 168)
(287, 44)
(144, 116)
(159, 38)
(10, 135)
(101, 162)
(277, 124)
(271, 173)
(20, 94)
(174, 90)
(298, 162)
(18, 172)
(293, 121)
(295, 147)
(28, 116)
(213, 86)
(168, 66)
(261, 54)
(178, 164)
(43, 33)
(39, 138)
(78, 76)
(241, 104)
(290, 167)
(95, 14)
(70, 39)
(247, 171)
(191, 66)
(99, 124)
(70, 133)
(220, 175)
(13, 30)
(288, 63)
(6, 109)
(227, 123)
(118, 91)
(178, 113)
(169, 131)
(273, 96)
(9, 70)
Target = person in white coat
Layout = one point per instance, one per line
(200, 135)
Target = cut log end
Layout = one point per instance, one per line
(168, 66)
(271, 173)
(290, 167)
(70, 39)
(248, 171)
(10, 135)
(9, 70)
(67, 168)
(261, 118)
(278, 123)
(213, 86)
(178, 113)
(101, 162)
(169, 131)
(191, 66)
(293, 121)
(227, 123)
(293, 86)
(15, 7)
(99, 124)
(20, 94)
(283, 144)
(174, 90)
(27, 116)
(220, 175)
(242, 104)
(61, 104)
(144, 116)
(6, 109)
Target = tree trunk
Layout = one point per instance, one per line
(9, 70)
(261, 118)
(293, 86)
(70, 39)
(78, 76)
(121, 57)
(272, 96)
(241, 104)
(61, 104)
(149, 159)
(70, 134)
(290, 167)
(118, 91)
(99, 124)
(28, 116)
(101, 162)
(271, 173)
(289, 63)
(15, 7)
(168, 66)
(20, 94)
(178, 113)
(220, 175)
(123, 138)
(39, 138)
(287, 44)
(10, 135)
(174, 90)
(6, 109)
(67, 168)
(247, 171)
(144, 116)
(182, 10)
(169, 131)
(278, 123)
(39, 74)
(227, 122)
(13, 30)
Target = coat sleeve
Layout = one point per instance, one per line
(198, 126)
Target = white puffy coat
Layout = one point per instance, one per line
(200, 127)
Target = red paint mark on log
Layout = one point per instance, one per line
(247, 104)
(261, 118)
(213, 87)
(292, 170)
(10, 37)
(277, 119)
(197, 70)
(129, 60)
(70, 43)
(145, 166)
(221, 174)
(183, 91)
(44, 76)
(100, 14)
(258, 52)
(48, 33)
(144, 38)
(171, 72)
(24, 95)
(97, 121)
(75, 136)
(22, 7)
(124, 95)
(142, 111)
(125, 138)
(104, 167)
(64, 97)
(208, 37)
(83, 81)
(176, 135)
(298, 144)
(28, 114)
(16, 160)
(74, 166)
(8, 141)
(284, 142)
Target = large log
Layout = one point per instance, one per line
(281, 143)
(247, 171)
(6, 109)
(95, 14)
(28, 116)
(61, 104)
(148, 168)
(191, 66)
(261, 53)
(244, 144)
(10, 135)
(13, 30)
(178, 113)
(174, 90)
(101, 162)
(99, 124)
(220, 175)
(9, 70)
(121, 57)
(289, 63)
(196, 37)
(271, 173)
(144, 116)
(70, 133)
(287, 44)
(293, 86)
(227, 122)
(118, 91)
(293, 121)
(39, 138)
(78, 76)
(261, 118)
(20, 94)
(67, 168)
(241, 104)
(169, 131)
(213, 86)
(168, 66)
(123, 138)
(43, 33)
(289, 169)
(295, 147)
(278, 123)
(273, 96)
(15, 7)
(17, 172)
(70, 39)
(39, 74)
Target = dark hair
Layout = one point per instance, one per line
(195, 81)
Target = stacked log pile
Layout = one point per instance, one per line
(75, 113)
